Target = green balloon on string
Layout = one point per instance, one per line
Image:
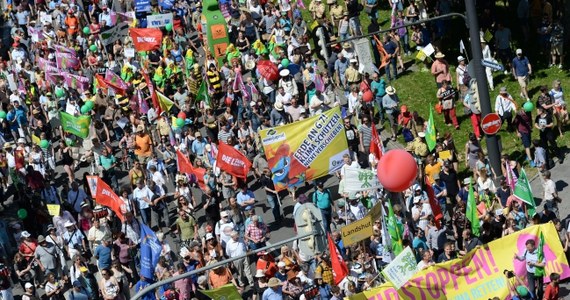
(90, 104)
(168, 27)
(2, 114)
(180, 122)
(22, 213)
(528, 106)
(44, 144)
(84, 109)
(86, 30)
(59, 92)
(93, 48)
(285, 63)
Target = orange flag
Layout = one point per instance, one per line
(184, 166)
(232, 161)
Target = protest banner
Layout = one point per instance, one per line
(157, 21)
(305, 150)
(53, 209)
(150, 251)
(357, 231)
(106, 196)
(166, 4)
(75, 125)
(232, 161)
(228, 291)
(92, 183)
(146, 39)
(66, 60)
(75, 82)
(401, 269)
(358, 180)
(142, 6)
(118, 32)
(479, 274)
(184, 166)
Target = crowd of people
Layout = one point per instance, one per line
(82, 250)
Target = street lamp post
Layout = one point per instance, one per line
(482, 85)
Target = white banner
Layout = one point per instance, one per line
(364, 54)
(357, 180)
(401, 269)
(115, 33)
(156, 21)
(129, 52)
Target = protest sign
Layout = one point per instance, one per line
(106, 196)
(129, 52)
(156, 21)
(305, 150)
(75, 125)
(142, 5)
(401, 269)
(232, 161)
(118, 32)
(479, 274)
(357, 231)
(146, 39)
(66, 60)
(53, 209)
(358, 180)
(75, 82)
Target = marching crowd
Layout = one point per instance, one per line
(146, 108)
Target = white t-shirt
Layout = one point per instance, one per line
(549, 189)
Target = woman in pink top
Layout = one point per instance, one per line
(440, 70)
(182, 285)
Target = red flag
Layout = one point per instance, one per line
(376, 146)
(146, 39)
(232, 161)
(150, 86)
(184, 166)
(100, 82)
(106, 196)
(340, 270)
(435, 208)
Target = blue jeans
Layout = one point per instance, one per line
(274, 204)
(391, 64)
(255, 246)
(378, 100)
(145, 215)
(327, 215)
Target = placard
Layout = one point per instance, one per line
(53, 209)
(129, 52)
(157, 21)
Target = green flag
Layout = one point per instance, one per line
(226, 292)
(430, 131)
(471, 211)
(523, 192)
(395, 229)
(202, 94)
(539, 271)
(75, 125)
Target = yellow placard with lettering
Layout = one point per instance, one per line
(53, 209)
(488, 36)
(445, 155)
(479, 274)
(357, 231)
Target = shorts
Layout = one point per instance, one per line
(525, 138)
(557, 49)
(523, 81)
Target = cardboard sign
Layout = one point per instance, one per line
(357, 231)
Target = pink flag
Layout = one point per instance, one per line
(143, 105)
(511, 176)
(60, 48)
(114, 81)
(300, 4)
(238, 85)
(44, 63)
(66, 60)
(77, 82)
(319, 83)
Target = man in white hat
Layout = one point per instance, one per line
(287, 82)
(390, 103)
(234, 248)
(73, 240)
(278, 116)
(521, 72)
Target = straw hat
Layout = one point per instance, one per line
(250, 64)
(439, 55)
(278, 105)
(390, 90)
(41, 238)
(346, 46)
(273, 282)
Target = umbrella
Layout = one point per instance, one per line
(268, 70)
(294, 69)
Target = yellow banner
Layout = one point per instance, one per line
(478, 275)
(305, 150)
(357, 231)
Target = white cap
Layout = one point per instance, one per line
(460, 58)
(28, 285)
(421, 134)
(519, 51)
(25, 234)
(224, 213)
(209, 236)
(281, 264)
(68, 224)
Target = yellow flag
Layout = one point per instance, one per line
(35, 139)
(165, 103)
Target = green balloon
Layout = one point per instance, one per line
(44, 144)
(90, 104)
(86, 30)
(2, 114)
(59, 93)
(168, 27)
(180, 122)
(528, 106)
(93, 48)
(22, 213)
(84, 109)
(522, 291)
(285, 63)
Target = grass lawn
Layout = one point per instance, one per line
(417, 89)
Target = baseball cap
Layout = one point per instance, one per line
(519, 51)
(28, 285)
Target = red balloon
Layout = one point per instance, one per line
(182, 115)
(268, 70)
(228, 101)
(397, 170)
(367, 96)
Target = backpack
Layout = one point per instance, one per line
(408, 136)
(466, 77)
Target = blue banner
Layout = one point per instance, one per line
(142, 5)
(150, 251)
(166, 4)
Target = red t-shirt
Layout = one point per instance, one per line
(551, 292)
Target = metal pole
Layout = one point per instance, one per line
(482, 85)
(213, 266)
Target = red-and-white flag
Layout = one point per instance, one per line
(340, 270)
(376, 146)
(435, 208)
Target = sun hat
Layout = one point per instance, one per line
(284, 73)
(278, 105)
(259, 273)
(503, 90)
(346, 45)
(41, 238)
(224, 214)
(390, 90)
(467, 181)
(421, 134)
(68, 224)
(281, 264)
(209, 236)
(519, 51)
(21, 141)
(273, 282)
(439, 55)
(28, 285)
